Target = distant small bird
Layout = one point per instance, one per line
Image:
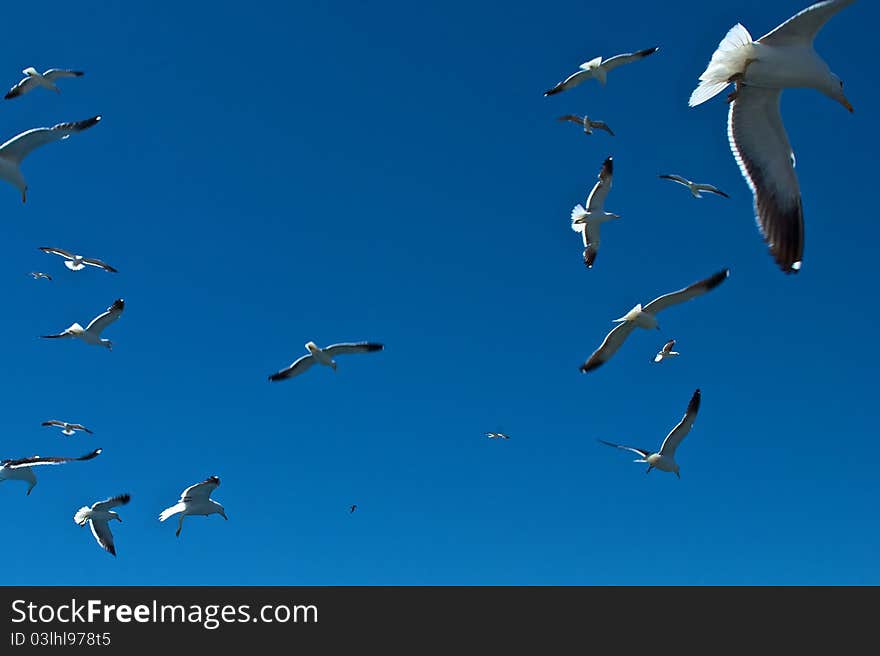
(68, 429)
(76, 262)
(646, 318)
(586, 123)
(666, 351)
(37, 275)
(694, 187)
(195, 500)
(587, 220)
(323, 356)
(34, 79)
(91, 334)
(664, 459)
(496, 436)
(16, 149)
(353, 508)
(20, 470)
(99, 516)
(598, 68)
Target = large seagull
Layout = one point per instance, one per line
(598, 68)
(91, 334)
(195, 500)
(586, 220)
(33, 79)
(323, 356)
(781, 59)
(99, 516)
(20, 470)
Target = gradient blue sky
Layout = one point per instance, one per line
(269, 174)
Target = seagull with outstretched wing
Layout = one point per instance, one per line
(91, 334)
(598, 68)
(76, 262)
(323, 356)
(195, 500)
(20, 470)
(33, 79)
(694, 187)
(99, 516)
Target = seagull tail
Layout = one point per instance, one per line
(169, 512)
(82, 515)
(730, 59)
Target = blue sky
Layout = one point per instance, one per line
(273, 175)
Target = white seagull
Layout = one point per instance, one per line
(91, 334)
(16, 149)
(666, 351)
(497, 436)
(587, 220)
(99, 516)
(695, 187)
(195, 500)
(33, 79)
(781, 59)
(323, 356)
(645, 317)
(598, 68)
(586, 123)
(76, 262)
(37, 275)
(664, 459)
(20, 470)
(67, 428)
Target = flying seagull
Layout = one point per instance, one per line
(16, 149)
(20, 470)
(99, 516)
(497, 436)
(33, 79)
(353, 508)
(91, 334)
(646, 318)
(664, 459)
(694, 187)
(666, 351)
(37, 275)
(598, 68)
(195, 500)
(76, 262)
(586, 123)
(587, 220)
(67, 428)
(323, 356)
(761, 69)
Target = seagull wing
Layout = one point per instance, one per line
(803, 27)
(295, 369)
(761, 148)
(627, 58)
(689, 292)
(360, 347)
(52, 422)
(200, 490)
(101, 531)
(69, 332)
(58, 251)
(56, 73)
(98, 263)
(676, 178)
(17, 148)
(21, 88)
(609, 346)
(112, 502)
(596, 200)
(712, 189)
(591, 243)
(81, 427)
(640, 452)
(35, 461)
(571, 81)
(103, 320)
(572, 118)
(678, 433)
(601, 125)
(668, 346)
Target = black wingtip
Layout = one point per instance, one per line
(552, 92)
(717, 279)
(589, 366)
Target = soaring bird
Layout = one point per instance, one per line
(323, 356)
(91, 334)
(353, 508)
(666, 351)
(598, 68)
(46, 79)
(645, 317)
(695, 188)
(587, 220)
(195, 500)
(76, 262)
(586, 123)
(37, 275)
(16, 149)
(67, 428)
(498, 436)
(664, 459)
(99, 516)
(20, 470)
(783, 58)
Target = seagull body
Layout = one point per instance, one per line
(695, 188)
(497, 436)
(67, 428)
(20, 470)
(37, 275)
(34, 79)
(99, 517)
(598, 68)
(586, 220)
(586, 123)
(666, 352)
(91, 334)
(781, 59)
(195, 500)
(76, 262)
(664, 459)
(646, 317)
(16, 149)
(323, 356)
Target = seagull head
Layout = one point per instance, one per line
(107, 344)
(115, 515)
(834, 90)
(333, 364)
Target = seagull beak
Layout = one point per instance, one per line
(24, 196)
(678, 475)
(845, 103)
